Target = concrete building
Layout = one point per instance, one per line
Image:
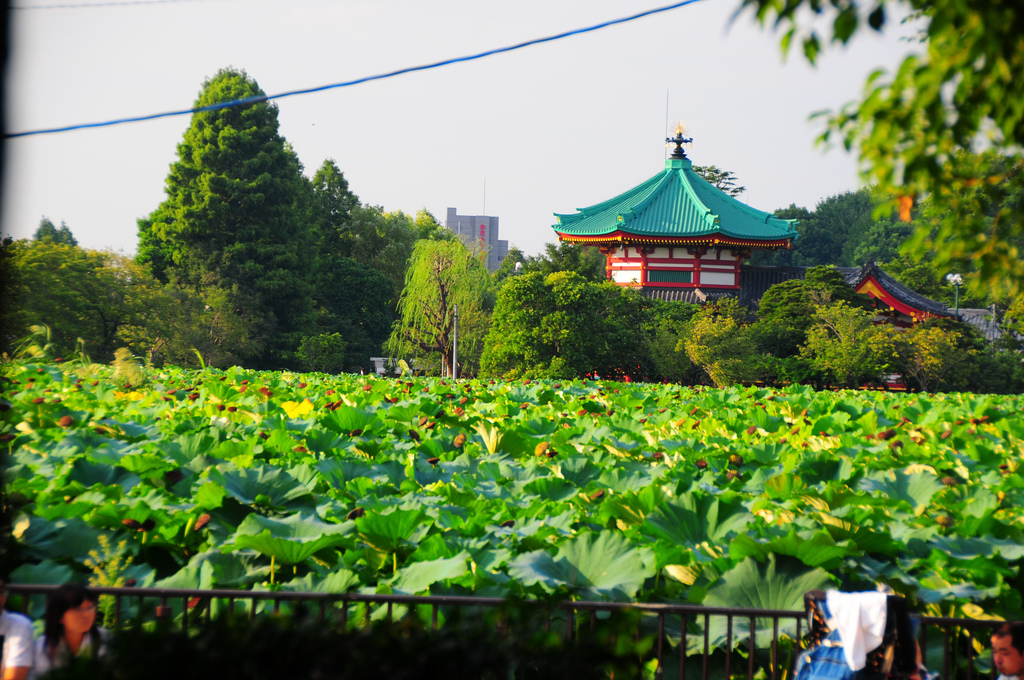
(479, 231)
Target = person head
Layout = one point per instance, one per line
(70, 611)
(1008, 649)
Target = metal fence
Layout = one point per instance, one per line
(709, 642)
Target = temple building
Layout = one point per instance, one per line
(676, 236)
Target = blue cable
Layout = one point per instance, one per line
(349, 83)
(123, 3)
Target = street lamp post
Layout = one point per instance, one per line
(956, 280)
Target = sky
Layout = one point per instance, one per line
(522, 135)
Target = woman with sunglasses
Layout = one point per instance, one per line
(69, 629)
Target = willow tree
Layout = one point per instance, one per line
(442, 275)
(229, 229)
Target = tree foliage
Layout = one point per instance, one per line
(563, 326)
(927, 355)
(914, 129)
(720, 344)
(383, 241)
(103, 298)
(230, 228)
(844, 342)
(568, 257)
(443, 274)
(324, 353)
(47, 233)
(720, 179)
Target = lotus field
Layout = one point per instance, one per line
(595, 490)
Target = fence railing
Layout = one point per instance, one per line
(719, 641)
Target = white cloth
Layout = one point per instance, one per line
(43, 663)
(17, 632)
(860, 620)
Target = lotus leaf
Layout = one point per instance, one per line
(231, 570)
(694, 518)
(263, 485)
(419, 576)
(818, 550)
(387, 533)
(46, 572)
(914, 489)
(290, 540)
(777, 583)
(601, 566)
(68, 538)
(338, 581)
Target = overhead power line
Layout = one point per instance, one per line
(115, 3)
(358, 81)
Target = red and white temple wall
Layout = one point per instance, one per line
(675, 266)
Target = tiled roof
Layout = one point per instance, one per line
(692, 295)
(982, 320)
(898, 290)
(755, 280)
(676, 202)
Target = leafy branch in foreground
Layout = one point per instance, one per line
(914, 130)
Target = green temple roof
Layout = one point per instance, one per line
(676, 203)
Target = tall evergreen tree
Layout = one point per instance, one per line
(47, 233)
(230, 227)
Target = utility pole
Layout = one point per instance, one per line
(455, 345)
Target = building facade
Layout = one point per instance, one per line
(676, 232)
(479, 231)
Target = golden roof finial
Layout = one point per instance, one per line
(679, 141)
